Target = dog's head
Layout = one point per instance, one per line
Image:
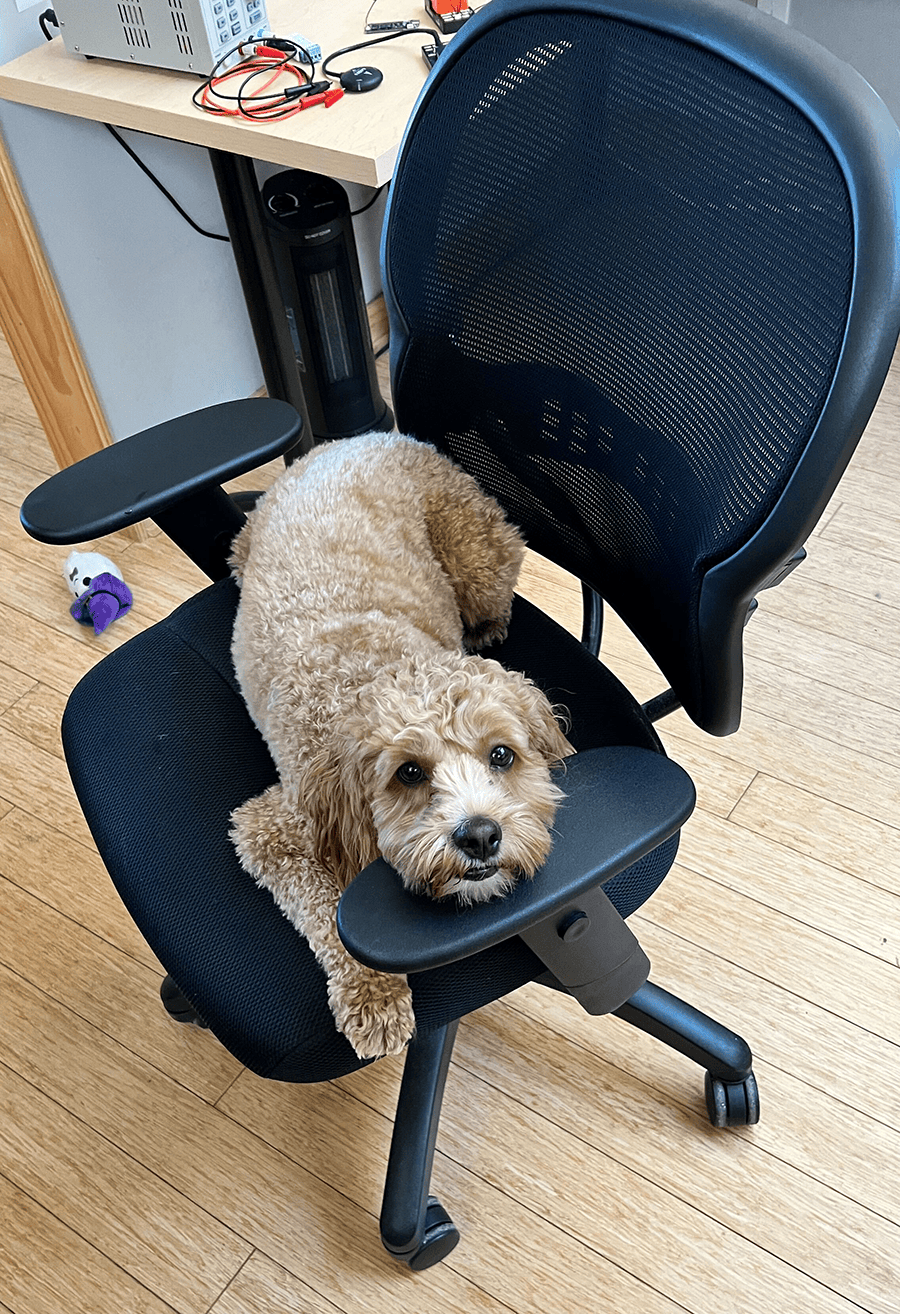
(453, 761)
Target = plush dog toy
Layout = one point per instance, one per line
(101, 594)
(371, 574)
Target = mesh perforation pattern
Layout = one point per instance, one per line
(625, 266)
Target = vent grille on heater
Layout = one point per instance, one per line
(134, 27)
(182, 31)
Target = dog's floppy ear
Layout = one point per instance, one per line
(543, 725)
(333, 794)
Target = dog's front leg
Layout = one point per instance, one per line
(372, 1009)
(480, 551)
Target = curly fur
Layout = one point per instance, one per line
(369, 573)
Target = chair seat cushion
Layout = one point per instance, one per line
(161, 750)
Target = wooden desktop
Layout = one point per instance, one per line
(355, 140)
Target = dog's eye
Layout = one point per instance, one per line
(501, 757)
(410, 774)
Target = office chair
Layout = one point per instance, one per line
(642, 266)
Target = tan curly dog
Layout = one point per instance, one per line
(369, 573)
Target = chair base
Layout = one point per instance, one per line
(178, 1007)
(732, 1104)
(415, 1228)
(732, 1096)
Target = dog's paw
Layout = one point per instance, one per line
(484, 633)
(374, 1011)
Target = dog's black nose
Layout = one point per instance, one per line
(478, 837)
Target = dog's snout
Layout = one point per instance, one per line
(478, 837)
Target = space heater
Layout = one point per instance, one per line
(311, 238)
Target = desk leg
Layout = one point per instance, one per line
(239, 192)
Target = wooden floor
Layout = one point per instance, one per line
(142, 1170)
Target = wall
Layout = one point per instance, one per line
(865, 33)
(157, 308)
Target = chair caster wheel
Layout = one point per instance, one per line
(732, 1103)
(177, 1007)
(439, 1238)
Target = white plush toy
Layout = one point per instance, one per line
(100, 592)
(81, 567)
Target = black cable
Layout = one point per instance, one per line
(48, 17)
(274, 106)
(260, 108)
(371, 201)
(216, 237)
(374, 41)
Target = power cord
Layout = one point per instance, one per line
(371, 201)
(45, 20)
(375, 41)
(282, 53)
(216, 237)
(48, 18)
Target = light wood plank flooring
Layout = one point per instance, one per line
(142, 1170)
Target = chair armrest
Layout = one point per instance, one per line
(620, 804)
(139, 477)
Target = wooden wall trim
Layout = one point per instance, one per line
(40, 337)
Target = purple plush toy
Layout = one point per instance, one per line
(101, 595)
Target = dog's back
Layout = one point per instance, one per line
(353, 558)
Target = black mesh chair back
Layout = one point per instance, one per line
(636, 259)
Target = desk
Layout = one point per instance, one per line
(356, 141)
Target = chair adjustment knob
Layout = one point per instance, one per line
(573, 925)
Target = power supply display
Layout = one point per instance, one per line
(191, 35)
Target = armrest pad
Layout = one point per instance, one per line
(620, 804)
(136, 478)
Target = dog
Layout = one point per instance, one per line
(371, 574)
